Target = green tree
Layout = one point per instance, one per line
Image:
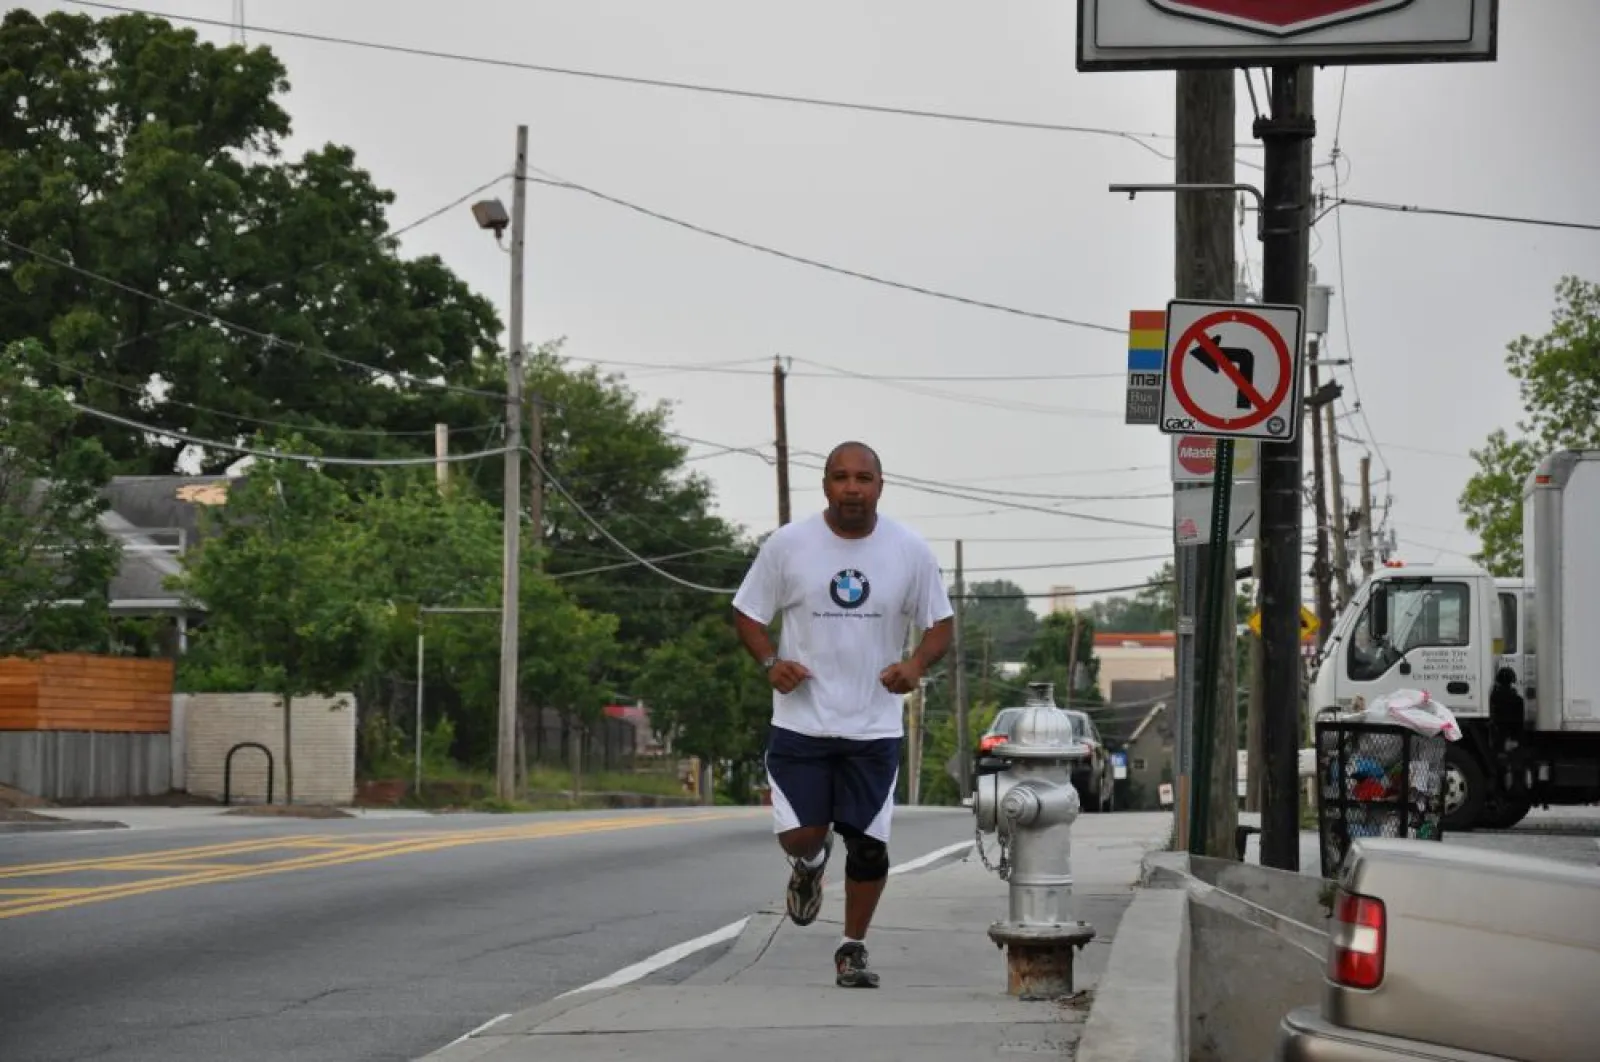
(709, 698)
(938, 787)
(621, 466)
(998, 615)
(1558, 376)
(1051, 654)
(279, 577)
(132, 219)
(52, 547)
(1150, 610)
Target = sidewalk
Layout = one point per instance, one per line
(772, 995)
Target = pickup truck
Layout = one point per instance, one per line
(1455, 953)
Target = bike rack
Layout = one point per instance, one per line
(227, 769)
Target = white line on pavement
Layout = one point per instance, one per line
(662, 959)
(932, 857)
(678, 952)
(491, 1023)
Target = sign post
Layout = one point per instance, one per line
(1230, 379)
(1232, 371)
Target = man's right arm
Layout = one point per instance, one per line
(755, 637)
(757, 603)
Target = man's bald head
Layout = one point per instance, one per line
(852, 447)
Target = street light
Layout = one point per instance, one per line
(491, 215)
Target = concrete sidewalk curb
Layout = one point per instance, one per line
(1139, 1010)
(746, 951)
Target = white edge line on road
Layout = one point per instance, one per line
(463, 1038)
(662, 959)
(931, 858)
(678, 952)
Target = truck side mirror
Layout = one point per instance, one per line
(1378, 621)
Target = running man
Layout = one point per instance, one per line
(846, 584)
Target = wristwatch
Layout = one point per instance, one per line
(769, 662)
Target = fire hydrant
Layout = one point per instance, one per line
(1031, 805)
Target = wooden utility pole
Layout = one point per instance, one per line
(780, 414)
(511, 559)
(441, 456)
(1322, 568)
(1341, 552)
(1072, 660)
(1368, 561)
(1205, 269)
(958, 686)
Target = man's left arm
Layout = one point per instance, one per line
(931, 611)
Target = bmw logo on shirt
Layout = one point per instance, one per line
(849, 589)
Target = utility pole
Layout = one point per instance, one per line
(1205, 269)
(1367, 560)
(511, 570)
(1072, 660)
(1341, 552)
(1286, 208)
(1322, 569)
(780, 413)
(441, 455)
(958, 686)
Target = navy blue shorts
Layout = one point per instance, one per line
(840, 782)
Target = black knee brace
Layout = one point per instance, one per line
(866, 859)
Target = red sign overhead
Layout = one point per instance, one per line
(1279, 17)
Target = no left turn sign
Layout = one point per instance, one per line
(1232, 371)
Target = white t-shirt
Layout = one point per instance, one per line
(846, 606)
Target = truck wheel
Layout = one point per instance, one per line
(1507, 811)
(1465, 789)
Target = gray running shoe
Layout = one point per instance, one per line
(850, 961)
(804, 897)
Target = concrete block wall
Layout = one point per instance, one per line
(84, 765)
(324, 735)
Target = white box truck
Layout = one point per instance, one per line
(1516, 660)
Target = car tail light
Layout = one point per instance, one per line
(1355, 947)
(990, 741)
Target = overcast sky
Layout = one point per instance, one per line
(1004, 215)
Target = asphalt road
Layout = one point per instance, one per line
(349, 940)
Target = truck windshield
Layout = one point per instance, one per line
(1421, 615)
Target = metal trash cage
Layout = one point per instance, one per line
(1375, 780)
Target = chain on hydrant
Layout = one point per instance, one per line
(1029, 803)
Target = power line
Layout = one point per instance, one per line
(262, 421)
(1062, 564)
(635, 563)
(267, 337)
(659, 83)
(555, 181)
(1075, 592)
(598, 526)
(1344, 285)
(969, 399)
(1471, 215)
(280, 455)
(1023, 506)
(727, 368)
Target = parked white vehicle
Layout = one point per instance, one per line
(1516, 660)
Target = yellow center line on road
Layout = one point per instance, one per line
(31, 870)
(406, 845)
